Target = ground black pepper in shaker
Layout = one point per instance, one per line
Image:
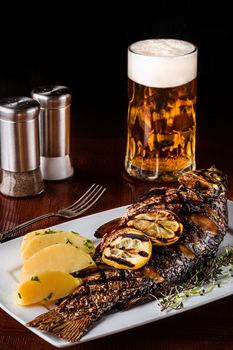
(19, 147)
(54, 125)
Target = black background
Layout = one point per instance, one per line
(84, 46)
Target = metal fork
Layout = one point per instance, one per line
(86, 201)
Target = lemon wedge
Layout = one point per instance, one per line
(130, 250)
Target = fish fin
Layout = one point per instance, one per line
(47, 320)
(108, 227)
(134, 302)
(55, 323)
(155, 191)
(72, 330)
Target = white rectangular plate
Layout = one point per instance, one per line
(112, 323)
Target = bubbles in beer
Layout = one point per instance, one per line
(162, 109)
(161, 131)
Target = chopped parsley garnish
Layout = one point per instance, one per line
(19, 295)
(49, 231)
(68, 241)
(37, 233)
(76, 233)
(35, 278)
(88, 243)
(48, 297)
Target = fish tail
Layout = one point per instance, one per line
(73, 330)
(55, 323)
(47, 320)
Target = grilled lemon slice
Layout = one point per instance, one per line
(162, 226)
(130, 250)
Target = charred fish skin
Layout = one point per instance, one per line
(205, 191)
(100, 293)
(149, 201)
(200, 190)
(169, 200)
(163, 199)
(210, 183)
(203, 214)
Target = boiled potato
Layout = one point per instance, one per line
(46, 286)
(37, 240)
(58, 257)
(32, 234)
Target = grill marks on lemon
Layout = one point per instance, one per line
(162, 226)
(131, 249)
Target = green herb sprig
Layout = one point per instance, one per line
(202, 281)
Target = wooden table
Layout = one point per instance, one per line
(97, 155)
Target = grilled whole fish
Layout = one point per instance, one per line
(200, 206)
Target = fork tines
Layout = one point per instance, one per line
(89, 198)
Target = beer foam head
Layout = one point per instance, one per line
(162, 62)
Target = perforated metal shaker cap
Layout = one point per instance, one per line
(52, 96)
(19, 134)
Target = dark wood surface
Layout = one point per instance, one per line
(98, 156)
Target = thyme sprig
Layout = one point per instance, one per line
(202, 281)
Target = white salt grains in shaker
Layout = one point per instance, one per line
(54, 126)
(19, 147)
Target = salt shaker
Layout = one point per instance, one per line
(54, 121)
(19, 147)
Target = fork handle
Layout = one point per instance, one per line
(14, 232)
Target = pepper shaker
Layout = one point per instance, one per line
(54, 126)
(19, 147)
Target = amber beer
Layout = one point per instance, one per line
(162, 109)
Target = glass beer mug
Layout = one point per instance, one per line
(162, 109)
